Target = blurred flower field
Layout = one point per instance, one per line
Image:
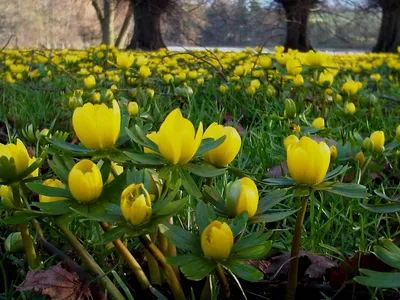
(188, 175)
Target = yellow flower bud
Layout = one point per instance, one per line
(368, 144)
(225, 153)
(90, 81)
(376, 77)
(177, 140)
(293, 66)
(360, 158)
(308, 161)
(168, 78)
(192, 74)
(265, 61)
(133, 108)
(334, 152)
(223, 88)
(144, 72)
(325, 79)
(398, 132)
(96, 96)
(118, 169)
(241, 195)
(14, 160)
(298, 80)
(125, 60)
(351, 87)
(142, 60)
(318, 123)
(350, 108)
(85, 182)
(217, 240)
(291, 139)
(52, 183)
(251, 90)
(136, 204)
(338, 98)
(290, 108)
(97, 126)
(378, 138)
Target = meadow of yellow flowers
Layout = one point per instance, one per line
(202, 161)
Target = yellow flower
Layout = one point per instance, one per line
(265, 61)
(118, 169)
(14, 160)
(334, 152)
(96, 97)
(192, 74)
(144, 72)
(360, 158)
(298, 80)
(34, 173)
(251, 90)
(168, 78)
(52, 183)
(376, 77)
(223, 88)
(350, 108)
(239, 71)
(351, 87)
(217, 240)
(241, 195)
(90, 81)
(308, 161)
(293, 66)
(177, 140)
(338, 98)
(133, 108)
(97, 126)
(5, 191)
(225, 153)
(378, 138)
(318, 123)
(325, 79)
(291, 139)
(200, 81)
(85, 181)
(136, 204)
(125, 60)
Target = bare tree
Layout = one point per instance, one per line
(389, 34)
(297, 14)
(147, 28)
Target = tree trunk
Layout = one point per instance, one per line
(126, 26)
(107, 26)
(147, 27)
(297, 14)
(389, 34)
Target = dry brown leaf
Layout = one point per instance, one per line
(57, 283)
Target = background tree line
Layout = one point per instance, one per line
(151, 24)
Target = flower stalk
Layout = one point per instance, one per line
(173, 282)
(223, 281)
(294, 253)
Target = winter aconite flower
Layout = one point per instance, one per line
(136, 204)
(308, 161)
(291, 139)
(241, 195)
(52, 183)
(217, 240)
(350, 108)
(125, 60)
(85, 182)
(318, 123)
(97, 126)
(14, 160)
(133, 108)
(177, 140)
(378, 139)
(90, 81)
(225, 153)
(293, 66)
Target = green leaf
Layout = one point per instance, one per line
(238, 224)
(101, 212)
(171, 208)
(279, 182)
(382, 208)
(181, 238)
(272, 217)
(378, 279)
(243, 270)
(146, 159)
(56, 208)
(202, 219)
(271, 199)
(252, 251)
(189, 184)
(20, 217)
(338, 171)
(204, 170)
(301, 191)
(349, 190)
(198, 268)
(48, 190)
(389, 253)
(212, 196)
(137, 135)
(61, 166)
(112, 235)
(384, 196)
(181, 259)
(71, 148)
(209, 144)
(105, 169)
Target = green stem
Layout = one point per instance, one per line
(294, 254)
(30, 251)
(130, 260)
(169, 272)
(90, 263)
(223, 282)
(206, 292)
(365, 166)
(155, 275)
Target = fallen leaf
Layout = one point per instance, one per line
(57, 283)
